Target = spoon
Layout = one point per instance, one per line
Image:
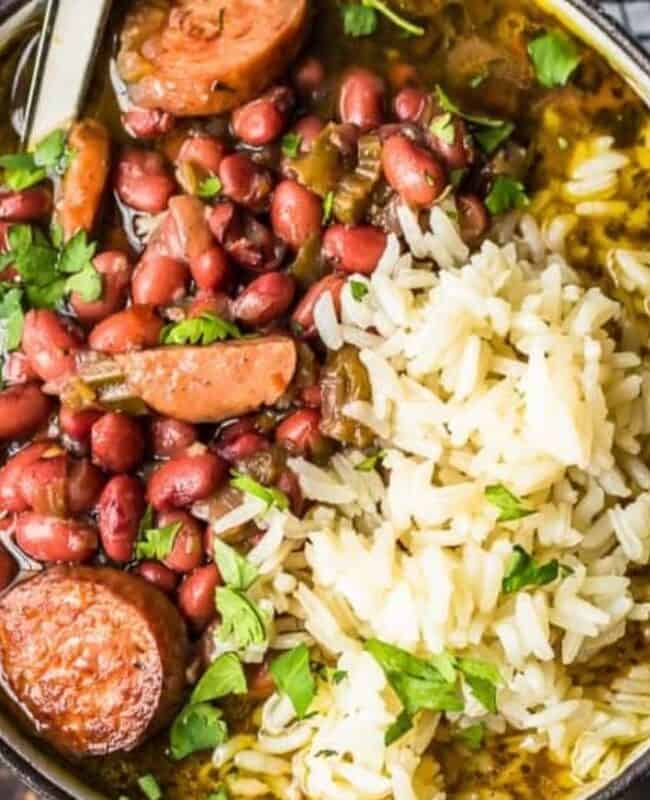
(71, 36)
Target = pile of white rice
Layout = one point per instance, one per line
(495, 368)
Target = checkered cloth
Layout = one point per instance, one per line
(633, 14)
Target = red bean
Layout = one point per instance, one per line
(260, 681)
(196, 596)
(185, 480)
(300, 432)
(309, 75)
(26, 206)
(51, 539)
(457, 154)
(159, 575)
(120, 510)
(115, 270)
(23, 409)
(205, 152)
(303, 316)
(117, 443)
(135, 328)
(413, 105)
(143, 182)
(159, 281)
(289, 484)
(361, 100)
(262, 120)
(145, 123)
(243, 446)
(85, 482)
(16, 369)
(265, 299)
(354, 249)
(43, 485)
(77, 424)
(171, 437)
(473, 217)
(11, 496)
(311, 396)
(308, 129)
(50, 344)
(8, 569)
(245, 182)
(414, 173)
(296, 213)
(210, 270)
(216, 303)
(187, 550)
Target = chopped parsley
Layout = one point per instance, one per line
(199, 726)
(293, 675)
(510, 506)
(491, 138)
(489, 132)
(555, 58)
(150, 788)
(443, 127)
(269, 495)
(505, 195)
(236, 571)
(12, 317)
(209, 187)
(361, 19)
(371, 462)
(483, 679)
(291, 143)
(203, 330)
(359, 290)
(242, 624)
(152, 542)
(225, 676)
(522, 571)
(472, 736)
(24, 170)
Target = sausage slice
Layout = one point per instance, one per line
(210, 384)
(198, 57)
(93, 659)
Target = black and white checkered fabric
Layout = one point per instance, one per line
(634, 15)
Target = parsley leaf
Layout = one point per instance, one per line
(236, 571)
(221, 793)
(270, 496)
(157, 543)
(210, 187)
(242, 623)
(23, 170)
(402, 725)
(490, 138)
(87, 283)
(506, 194)
(225, 676)
(443, 127)
(555, 57)
(291, 143)
(328, 207)
(77, 254)
(12, 318)
(52, 152)
(523, 570)
(509, 505)
(358, 20)
(371, 462)
(359, 290)
(472, 736)
(448, 105)
(446, 664)
(293, 675)
(150, 788)
(483, 679)
(489, 132)
(199, 726)
(203, 330)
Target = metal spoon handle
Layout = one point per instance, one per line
(72, 34)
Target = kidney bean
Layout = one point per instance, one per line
(308, 75)
(210, 270)
(413, 105)
(115, 270)
(217, 303)
(187, 549)
(311, 396)
(117, 443)
(135, 328)
(245, 182)
(171, 437)
(159, 575)
(205, 152)
(159, 281)
(16, 369)
(246, 240)
(51, 539)
(77, 424)
(290, 485)
(473, 217)
(458, 153)
(303, 316)
(184, 480)
(23, 409)
(361, 99)
(260, 681)
(43, 485)
(225, 222)
(120, 509)
(85, 482)
(265, 299)
(50, 344)
(243, 446)
(300, 432)
(354, 249)
(296, 213)
(8, 568)
(142, 180)
(196, 596)
(26, 206)
(233, 430)
(414, 173)
(147, 123)
(308, 128)
(11, 496)
(262, 120)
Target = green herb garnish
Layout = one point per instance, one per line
(198, 727)
(225, 676)
(489, 132)
(291, 143)
(23, 170)
(150, 787)
(157, 543)
(293, 676)
(371, 462)
(555, 58)
(523, 570)
(510, 506)
(236, 571)
(505, 195)
(361, 19)
(443, 127)
(359, 290)
(242, 624)
(269, 495)
(472, 736)
(328, 207)
(203, 330)
(209, 187)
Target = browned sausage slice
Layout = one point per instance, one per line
(197, 57)
(84, 181)
(93, 659)
(209, 384)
